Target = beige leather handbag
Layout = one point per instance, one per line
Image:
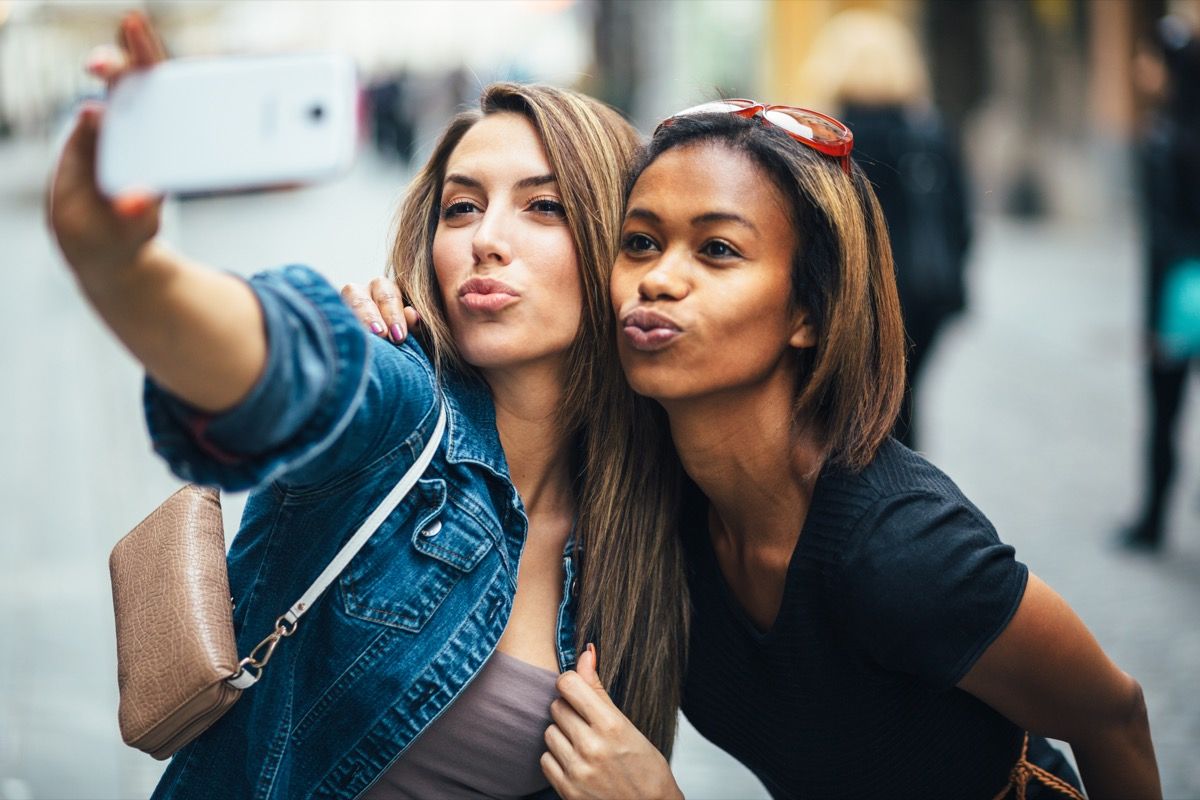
(175, 644)
(178, 669)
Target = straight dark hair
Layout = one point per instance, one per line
(851, 383)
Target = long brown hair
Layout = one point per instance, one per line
(849, 385)
(632, 600)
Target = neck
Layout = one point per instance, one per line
(527, 401)
(741, 449)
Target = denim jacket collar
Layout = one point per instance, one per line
(471, 425)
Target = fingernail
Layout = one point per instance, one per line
(591, 649)
(131, 205)
(376, 329)
(397, 333)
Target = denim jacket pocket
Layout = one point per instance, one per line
(401, 579)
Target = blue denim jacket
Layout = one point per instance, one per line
(329, 429)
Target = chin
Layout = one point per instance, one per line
(657, 383)
(498, 350)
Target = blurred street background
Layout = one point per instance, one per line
(1032, 397)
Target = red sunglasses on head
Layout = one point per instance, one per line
(811, 128)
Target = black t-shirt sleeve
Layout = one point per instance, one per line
(928, 586)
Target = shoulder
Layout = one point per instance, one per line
(908, 500)
(896, 480)
(925, 581)
(912, 527)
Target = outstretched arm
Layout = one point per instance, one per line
(1047, 673)
(199, 333)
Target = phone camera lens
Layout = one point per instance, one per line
(316, 113)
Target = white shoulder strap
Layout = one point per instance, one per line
(286, 624)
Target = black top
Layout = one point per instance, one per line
(896, 586)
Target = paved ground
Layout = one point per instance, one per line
(1033, 405)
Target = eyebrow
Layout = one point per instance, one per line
(723, 216)
(524, 183)
(703, 219)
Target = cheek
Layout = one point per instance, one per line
(444, 252)
(621, 286)
(556, 272)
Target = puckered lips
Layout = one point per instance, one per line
(649, 330)
(487, 295)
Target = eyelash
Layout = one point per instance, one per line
(733, 253)
(627, 243)
(558, 210)
(456, 208)
(448, 210)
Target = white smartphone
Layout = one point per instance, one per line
(205, 125)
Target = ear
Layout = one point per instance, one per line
(804, 332)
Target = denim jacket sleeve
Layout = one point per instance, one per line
(331, 398)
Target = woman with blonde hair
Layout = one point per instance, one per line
(429, 668)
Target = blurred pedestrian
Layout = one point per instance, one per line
(1169, 157)
(869, 65)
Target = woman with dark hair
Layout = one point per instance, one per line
(428, 670)
(858, 628)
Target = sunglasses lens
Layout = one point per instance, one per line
(791, 124)
(810, 126)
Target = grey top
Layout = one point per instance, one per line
(486, 744)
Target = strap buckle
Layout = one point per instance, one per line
(253, 661)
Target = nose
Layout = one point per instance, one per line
(490, 243)
(665, 280)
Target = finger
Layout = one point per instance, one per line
(140, 41)
(78, 163)
(587, 667)
(412, 317)
(74, 173)
(568, 720)
(591, 704)
(391, 308)
(556, 775)
(561, 749)
(364, 307)
(134, 204)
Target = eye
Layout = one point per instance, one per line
(637, 243)
(715, 248)
(458, 208)
(549, 206)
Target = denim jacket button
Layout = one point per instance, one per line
(433, 529)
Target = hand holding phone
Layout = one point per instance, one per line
(96, 233)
